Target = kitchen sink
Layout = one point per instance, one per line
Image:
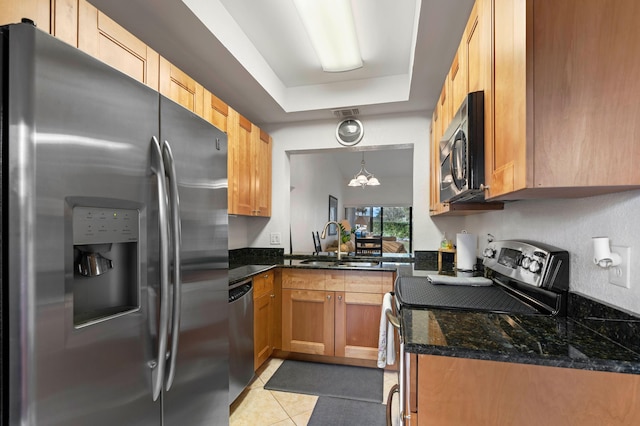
(342, 263)
(358, 263)
(313, 262)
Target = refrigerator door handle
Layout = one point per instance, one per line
(158, 368)
(174, 203)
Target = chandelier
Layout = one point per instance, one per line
(363, 177)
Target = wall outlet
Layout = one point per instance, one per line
(275, 238)
(620, 275)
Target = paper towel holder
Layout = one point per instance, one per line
(602, 254)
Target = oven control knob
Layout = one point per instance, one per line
(489, 252)
(535, 266)
(525, 262)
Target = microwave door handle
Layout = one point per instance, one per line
(455, 146)
(158, 367)
(452, 164)
(174, 202)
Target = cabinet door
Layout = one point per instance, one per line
(357, 324)
(180, 88)
(64, 20)
(506, 160)
(103, 38)
(240, 168)
(458, 77)
(261, 145)
(453, 391)
(263, 320)
(216, 112)
(308, 321)
(12, 12)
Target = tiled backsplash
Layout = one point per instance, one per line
(256, 256)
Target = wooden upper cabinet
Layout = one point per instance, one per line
(12, 12)
(249, 165)
(239, 165)
(262, 145)
(181, 88)
(64, 20)
(458, 78)
(470, 71)
(573, 135)
(103, 38)
(215, 111)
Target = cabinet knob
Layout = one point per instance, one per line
(273, 296)
(484, 187)
(328, 297)
(339, 297)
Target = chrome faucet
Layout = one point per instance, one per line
(324, 234)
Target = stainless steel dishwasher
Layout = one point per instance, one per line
(240, 337)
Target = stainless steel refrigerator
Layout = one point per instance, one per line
(114, 246)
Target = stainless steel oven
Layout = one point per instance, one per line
(462, 153)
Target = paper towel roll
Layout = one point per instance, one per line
(466, 251)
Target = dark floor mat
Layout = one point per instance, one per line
(347, 412)
(340, 381)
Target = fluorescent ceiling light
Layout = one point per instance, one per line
(332, 31)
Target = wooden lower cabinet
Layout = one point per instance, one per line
(307, 321)
(263, 317)
(357, 320)
(333, 312)
(459, 391)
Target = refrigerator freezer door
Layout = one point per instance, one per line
(200, 389)
(79, 134)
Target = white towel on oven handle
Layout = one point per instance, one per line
(386, 345)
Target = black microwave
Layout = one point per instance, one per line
(462, 153)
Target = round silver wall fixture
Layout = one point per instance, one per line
(349, 131)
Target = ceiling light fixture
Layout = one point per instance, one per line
(363, 178)
(332, 31)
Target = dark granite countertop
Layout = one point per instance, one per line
(239, 273)
(570, 342)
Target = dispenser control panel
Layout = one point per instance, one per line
(97, 225)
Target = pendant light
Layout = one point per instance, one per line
(363, 178)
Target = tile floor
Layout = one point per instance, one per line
(257, 406)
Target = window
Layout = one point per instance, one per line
(393, 223)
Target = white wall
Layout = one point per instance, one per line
(394, 192)
(313, 178)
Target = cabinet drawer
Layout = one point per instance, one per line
(304, 279)
(262, 284)
(368, 281)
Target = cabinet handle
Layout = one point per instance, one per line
(328, 297)
(484, 187)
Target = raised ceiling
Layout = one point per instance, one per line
(256, 56)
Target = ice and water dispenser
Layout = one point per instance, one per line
(106, 264)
